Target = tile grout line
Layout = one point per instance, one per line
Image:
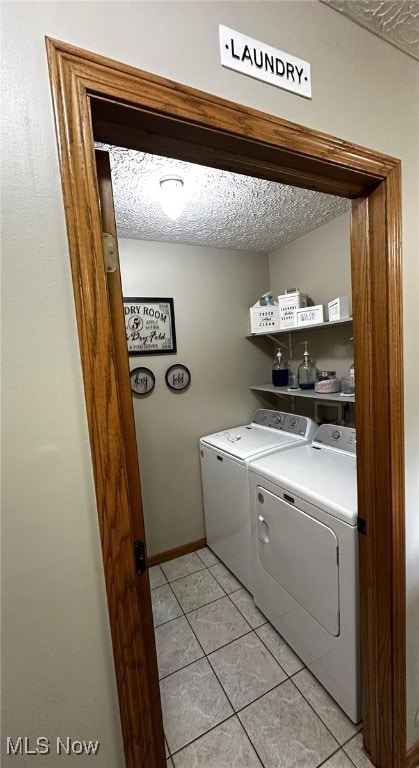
(236, 606)
(345, 743)
(185, 666)
(235, 712)
(269, 650)
(341, 749)
(251, 629)
(251, 742)
(224, 644)
(251, 704)
(241, 709)
(206, 657)
(210, 601)
(206, 566)
(254, 630)
(180, 606)
(348, 756)
(319, 716)
(185, 613)
(224, 566)
(198, 570)
(265, 647)
(339, 746)
(213, 727)
(329, 758)
(192, 573)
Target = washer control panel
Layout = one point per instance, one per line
(285, 422)
(339, 438)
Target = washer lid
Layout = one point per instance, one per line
(322, 477)
(245, 442)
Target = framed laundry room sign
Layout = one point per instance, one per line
(150, 326)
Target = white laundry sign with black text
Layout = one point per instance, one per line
(253, 58)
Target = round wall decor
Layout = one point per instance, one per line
(142, 381)
(178, 377)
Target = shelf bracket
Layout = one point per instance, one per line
(276, 340)
(289, 346)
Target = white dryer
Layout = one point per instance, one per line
(224, 460)
(305, 556)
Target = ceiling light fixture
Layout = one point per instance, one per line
(172, 196)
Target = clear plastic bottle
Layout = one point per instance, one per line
(280, 371)
(307, 371)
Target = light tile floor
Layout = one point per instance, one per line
(234, 694)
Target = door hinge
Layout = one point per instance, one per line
(110, 252)
(139, 556)
(362, 526)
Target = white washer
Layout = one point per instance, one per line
(224, 459)
(305, 556)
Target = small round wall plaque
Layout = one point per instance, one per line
(178, 377)
(142, 381)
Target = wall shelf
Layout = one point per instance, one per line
(307, 393)
(301, 328)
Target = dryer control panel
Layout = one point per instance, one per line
(285, 422)
(339, 438)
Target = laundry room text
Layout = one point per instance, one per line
(251, 57)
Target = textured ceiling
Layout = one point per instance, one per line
(224, 210)
(396, 21)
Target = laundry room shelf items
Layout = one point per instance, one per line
(284, 391)
(300, 329)
(311, 394)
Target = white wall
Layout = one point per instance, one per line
(56, 639)
(212, 290)
(319, 264)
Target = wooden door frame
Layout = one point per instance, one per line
(96, 98)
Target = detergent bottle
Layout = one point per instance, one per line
(280, 372)
(307, 371)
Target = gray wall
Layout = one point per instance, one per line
(58, 672)
(319, 264)
(212, 290)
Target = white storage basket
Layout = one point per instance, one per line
(264, 319)
(288, 303)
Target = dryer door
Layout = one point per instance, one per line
(301, 554)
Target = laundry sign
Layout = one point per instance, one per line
(253, 58)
